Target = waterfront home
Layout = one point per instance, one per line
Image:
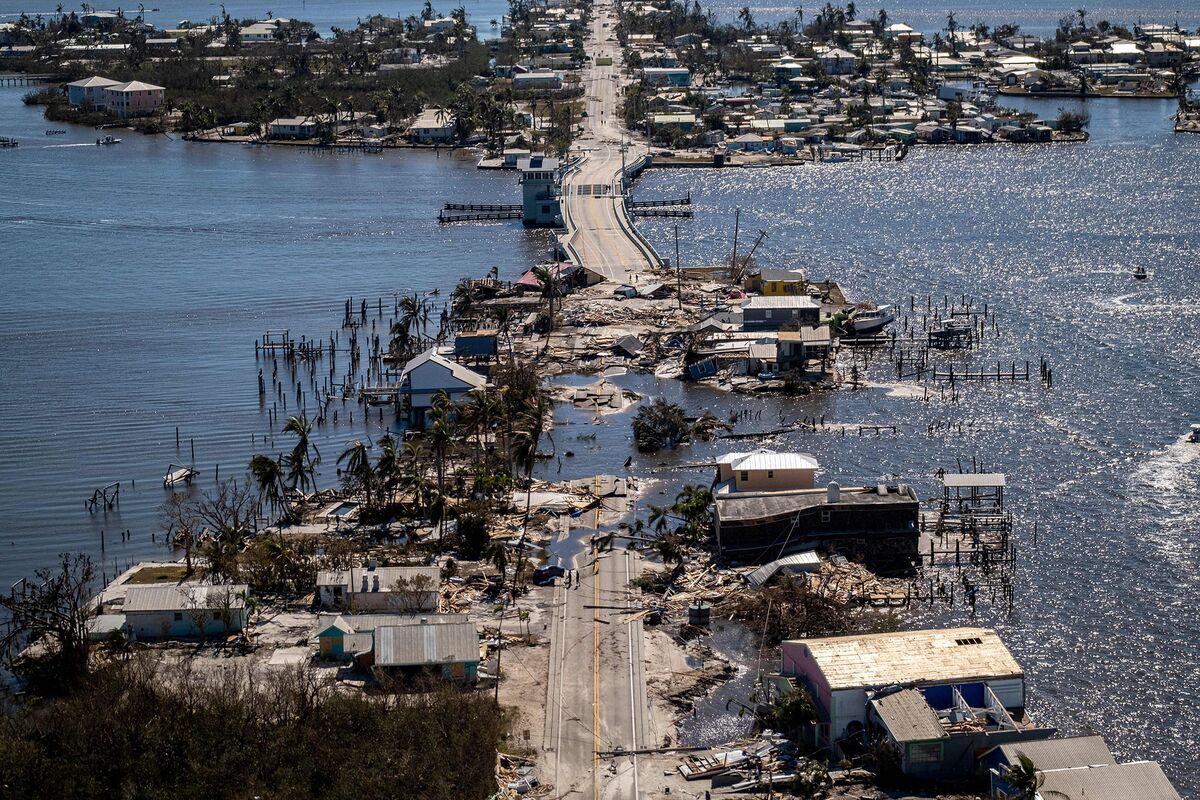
(749, 142)
(771, 313)
(1138, 780)
(133, 99)
(432, 126)
(809, 343)
(541, 183)
(375, 588)
(772, 282)
(187, 611)
(667, 76)
(938, 696)
(430, 374)
(440, 25)
(88, 93)
(763, 470)
(878, 525)
(1048, 754)
(294, 128)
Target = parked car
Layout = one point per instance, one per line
(545, 575)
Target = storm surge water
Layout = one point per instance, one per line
(136, 279)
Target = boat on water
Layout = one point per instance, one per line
(1194, 434)
(55, 132)
(865, 321)
(177, 475)
(108, 140)
(1139, 273)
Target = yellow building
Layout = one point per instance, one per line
(766, 471)
(775, 282)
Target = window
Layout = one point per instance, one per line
(179, 616)
(744, 476)
(969, 640)
(825, 516)
(767, 314)
(770, 473)
(925, 753)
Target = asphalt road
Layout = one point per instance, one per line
(598, 228)
(596, 692)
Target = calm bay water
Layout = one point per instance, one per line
(137, 277)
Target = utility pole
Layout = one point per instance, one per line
(737, 218)
(678, 272)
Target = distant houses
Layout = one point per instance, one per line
(131, 99)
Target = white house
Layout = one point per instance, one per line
(667, 76)
(371, 588)
(432, 126)
(259, 31)
(89, 92)
(837, 61)
(294, 128)
(430, 374)
(160, 612)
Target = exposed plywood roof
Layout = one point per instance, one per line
(908, 716)
(912, 657)
(735, 506)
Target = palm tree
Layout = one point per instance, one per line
(358, 468)
(659, 518)
(412, 472)
(551, 288)
(269, 476)
(410, 314)
(300, 463)
(387, 469)
(1024, 777)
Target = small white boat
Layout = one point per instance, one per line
(108, 140)
(1194, 434)
(864, 321)
(177, 475)
(1140, 273)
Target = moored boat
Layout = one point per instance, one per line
(865, 321)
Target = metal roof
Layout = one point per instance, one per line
(768, 459)
(1140, 780)
(1047, 754)
(911, 657)
(977, 480)
(426, 643)
(458, 371)
(184, 598)
(907, 716)
(804, 561)
(367, 623)
(782, 300)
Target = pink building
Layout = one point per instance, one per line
(133, 99)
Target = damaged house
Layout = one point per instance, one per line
(766, 504)
(939, 698)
